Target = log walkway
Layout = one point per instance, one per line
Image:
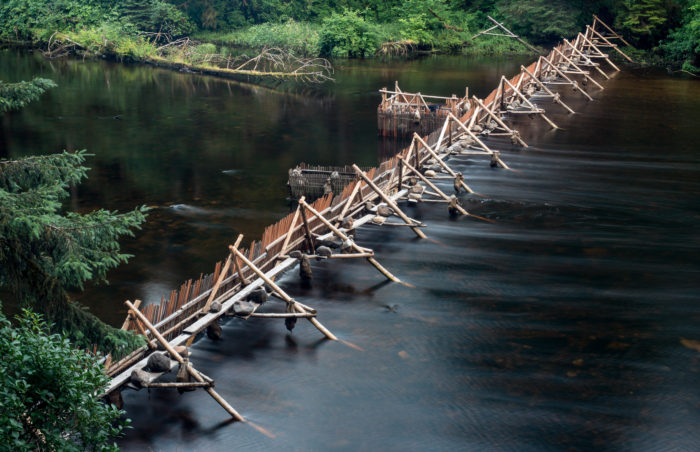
(324, 228)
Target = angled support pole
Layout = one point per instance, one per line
(596, 19)
(389, 202)
(578, 69)
(555, 96)
(348, 201)
(614, 46)
(176, 356)
(536, 110)
(494, 156)
(443, 164)
(432, 186)
(354, 246)
(587, 60)
(222, 276)
(295, 306)
(288, 237)
(514, 133)
(599, 53)
(573, 83)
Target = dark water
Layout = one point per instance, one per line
(570, 323)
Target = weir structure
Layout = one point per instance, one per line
(324, 229)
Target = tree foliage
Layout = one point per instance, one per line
(347, 34)
(45, 252)
(14, 96)
(47, 392)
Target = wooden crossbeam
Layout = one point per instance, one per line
(580, 71)
(567, 78)
(536, 110)
(610, 43)
(389, 202)
(597, 19)
(588, 61)
(555, 97)
(282, 294)
(600, 53)
(500, 122)
(176, 356)
(354, 246)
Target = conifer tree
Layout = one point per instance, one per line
(45, 252)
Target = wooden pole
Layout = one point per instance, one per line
(614, 46)
(175, 355)
(307, 231)
(618, 36)
(538, 111)
(481, 143)
(566, 77)
(588, 61)
(580, 71)
(433, 186)
(290, 231)
(389, 202)
(444, 165)
(127, 322)
(500, 122)
(242, 277)
(357, 248)
(282, 293)
(547, 90)
(222, 276)
(600, 52)
(348, 202)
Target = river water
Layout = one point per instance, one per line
(570, 322)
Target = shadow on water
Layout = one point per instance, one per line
(568, 323)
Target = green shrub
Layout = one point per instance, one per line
(347, 34)
(48, 392)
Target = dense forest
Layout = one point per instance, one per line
(665, 32)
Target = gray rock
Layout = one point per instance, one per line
(259, 295)
(214, 332)
(158, 362)
(140, 378)
(215, 307)
(384, 211)
(244, 308)
(323, 251)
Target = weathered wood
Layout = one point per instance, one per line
(610, 43)
(556, 97)
(433, 186)
(567, 78)
(356, 247)
(500, 122)
(307, 230)
(388, 201)
(222, 276)
(175, 355)
(536, 110)
(282, 293)
(578, 69)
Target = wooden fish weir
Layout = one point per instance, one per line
(403, 114)
(324, 229)
(314, 181)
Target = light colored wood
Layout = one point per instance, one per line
(596, 19)
(288, 236)
(388, 201)
(556, 97)
(127, 322)
(222, 276)
(433, 186)
(522, 97)
(567, 78)
(282, 315)
(356, 247)
(443, 164)
(282, 293)
(588, 61)
(348, 202)
(578, 69)
(175, 355)
(194, 384)
(500, 122)
(589, 43)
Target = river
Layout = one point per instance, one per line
(570, 322)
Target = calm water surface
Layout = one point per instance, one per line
(571, 322)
